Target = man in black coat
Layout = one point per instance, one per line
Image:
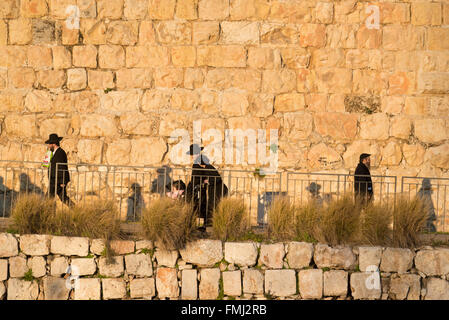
(363, 186)
(60, 178)
(206, 186)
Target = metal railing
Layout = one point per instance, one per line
(324, 187)
(435, 193)
(133, 188)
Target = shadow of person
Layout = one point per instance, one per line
(26, 186)
(314, 190)
(159, 184)
(7, 196)
(135, 203)
(425, 194)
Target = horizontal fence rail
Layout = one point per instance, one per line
(435, 193)
(133, 188)
(324, 187)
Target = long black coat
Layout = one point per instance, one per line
(63, 175)
(363, 185)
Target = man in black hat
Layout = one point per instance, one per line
(363, 186)
(206, 187)
(59, 179)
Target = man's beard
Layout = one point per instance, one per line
(52, 148)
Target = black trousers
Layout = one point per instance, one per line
(62, 194)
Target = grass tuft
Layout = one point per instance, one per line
(168, 222)
(409, 220)
(230, 221)
(281, 216)
(375, 225)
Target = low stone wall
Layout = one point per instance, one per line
(76, 268)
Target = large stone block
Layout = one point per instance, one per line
(70, 246)
(310, 283)
(112, 267)
(51, 79)
(433, 82)
(17, 267)
(184, 56)
(405, 287)
(362, 288)
(439, 156)
(434, 40)
(161, 9)
(139, 265)
(424, 14)
(85, 56)
(22, 290)
(143, 157)
(58, 266)
(433, 262)
(232, 283)
(88, 289)
(298, 126)
(375, 127)
(168, 77)
(205, 32)
(142, 288)
(241, 32)
(396, 260)
(147, 56)
(253, 281)
(280, 283)
(209, 284)
(83, 266)
(267, 58)
(111, 57)
(436, 289)
(100, 80)
(9, 9)
(38, 266)
(403, 37)
(9, 246)
(289, 102)
(39, 57)
(335, 283)
(167, 258)
(272, 255)
(113, 289)
(241, 254)
(121, 247)
(338, 258)
(430, 130)
(221, 56)
(124, 33)
(213, 9)
(20, 31)
(97, 126)
(3, 269)
(76, 79)
(336, 125)
(55, 288)
(274, 81)
(21, 125)
(89, 151)
(369, 257)
(189, 287)
(112, 9)
(167, 283)
(118, 152)
(173, 33)
(299, 254)
(203, 252)
(312, 35)
(21, 78)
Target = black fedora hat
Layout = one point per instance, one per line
(53, 138)
(363, 156)
(194, 149)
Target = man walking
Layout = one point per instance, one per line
(363, 186)
(60, 178)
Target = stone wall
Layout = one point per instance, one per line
(210, 269)
(335, 86)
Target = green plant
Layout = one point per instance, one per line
(409, 220)
(220, 289)
(307, 222)
(281, 214)
(229, 220)
(28, 275)
(169, 222)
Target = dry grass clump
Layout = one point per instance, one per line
(169, 222)
(34, 214)
(307, 222)
(281, 219)
(375, 224)
(340, 221)
(229, 222)
(409, 220)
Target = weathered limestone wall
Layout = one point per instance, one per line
(135, 70)
(210, 269)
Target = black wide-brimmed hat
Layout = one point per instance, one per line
(194, 149)
(53, 138)
(363, 156)
(313, 187)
